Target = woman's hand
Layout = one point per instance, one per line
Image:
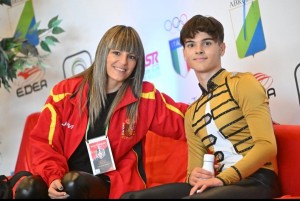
(55, 190)
(202, 184)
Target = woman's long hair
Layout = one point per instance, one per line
(122, 38)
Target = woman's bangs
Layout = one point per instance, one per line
(126, 41)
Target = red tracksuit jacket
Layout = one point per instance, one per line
(61, 128)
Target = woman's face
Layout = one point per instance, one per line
(120, 65)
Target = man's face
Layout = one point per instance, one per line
(203, 54)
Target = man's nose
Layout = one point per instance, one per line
(199, 49)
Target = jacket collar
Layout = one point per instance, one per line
(213, 82)
(128, 97)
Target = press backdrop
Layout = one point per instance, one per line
(268, 47)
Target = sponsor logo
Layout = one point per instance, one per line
(68, 125)
(151, 65)
(247, 26)
(179, 64)
(266, 81)
(30, 79)
(175, 25)
(26, 23)
(151, 59)
(76, 63)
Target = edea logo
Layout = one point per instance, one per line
(247, 26)
(30, 80)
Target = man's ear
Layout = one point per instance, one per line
(222, 48)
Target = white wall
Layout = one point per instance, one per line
(86, 21)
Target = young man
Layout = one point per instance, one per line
(231, 119)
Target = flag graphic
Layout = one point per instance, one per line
(179, 64)
(26, 22)
(249, 33)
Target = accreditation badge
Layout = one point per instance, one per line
(100, 155)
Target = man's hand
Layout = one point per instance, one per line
(199, 174)
(202, 184)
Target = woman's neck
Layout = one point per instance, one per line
(113, 86)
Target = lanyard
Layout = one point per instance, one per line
(88, 127)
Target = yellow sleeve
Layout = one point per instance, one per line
(251, 97)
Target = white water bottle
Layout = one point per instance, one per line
(208, 162)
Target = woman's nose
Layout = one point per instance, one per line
(124, 59)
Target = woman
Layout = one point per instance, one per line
(108, 99)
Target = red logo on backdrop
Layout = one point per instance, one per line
(264, 79)
(267, 82)
(30, 80)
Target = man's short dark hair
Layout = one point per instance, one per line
(200, 23)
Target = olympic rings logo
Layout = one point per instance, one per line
(176, 23)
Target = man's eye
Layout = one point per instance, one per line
(207, 43)
(189, 45)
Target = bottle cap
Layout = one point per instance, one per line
(209, 157)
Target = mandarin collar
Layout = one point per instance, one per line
(211, 84)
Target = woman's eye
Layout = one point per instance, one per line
(116, 52)
(132, 57)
